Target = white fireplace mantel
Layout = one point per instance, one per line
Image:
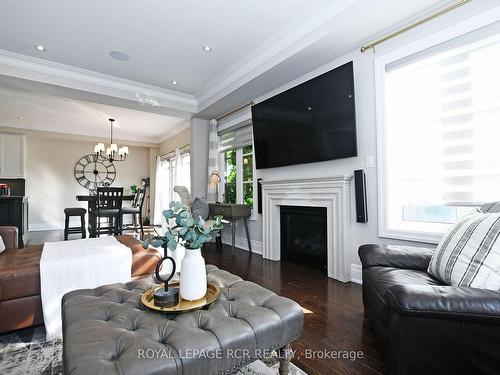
(330, 192)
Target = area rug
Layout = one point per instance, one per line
(27, 352)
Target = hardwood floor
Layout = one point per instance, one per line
(334, 316)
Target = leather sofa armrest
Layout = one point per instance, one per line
(445, 302)
(9, 236)
(406, 257)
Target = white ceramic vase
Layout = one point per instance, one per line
(193, 281)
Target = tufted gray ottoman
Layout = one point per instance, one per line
(107, 330)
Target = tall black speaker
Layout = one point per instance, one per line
(259, 195)
(360, 187)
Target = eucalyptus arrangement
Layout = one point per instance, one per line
(184, 229)
(192, 233)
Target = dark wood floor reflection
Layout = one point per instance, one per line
(334, 319)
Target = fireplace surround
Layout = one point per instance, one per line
(333, 193)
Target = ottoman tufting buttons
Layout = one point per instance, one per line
(201, 330)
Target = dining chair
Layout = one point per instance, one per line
(136, 210)
(109, 205)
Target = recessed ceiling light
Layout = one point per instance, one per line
(20, 117)
(40, 48)
(207, 48)
(173, 82)
(118, 55)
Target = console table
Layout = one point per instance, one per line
(233, 212)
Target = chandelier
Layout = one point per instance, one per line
(112, 153)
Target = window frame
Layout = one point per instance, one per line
(380, 62)
(239, 177)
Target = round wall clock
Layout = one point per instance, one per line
(92, 171)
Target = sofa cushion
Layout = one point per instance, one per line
(469, 253)
(20, 272)
(380, 279)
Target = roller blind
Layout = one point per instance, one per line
(235, 137)
(442, 124)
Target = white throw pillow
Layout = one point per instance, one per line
(2, 245)
(469, 254)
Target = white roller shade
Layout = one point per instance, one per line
(235, 137)
(443, 123)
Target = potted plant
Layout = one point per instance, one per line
(192, 233)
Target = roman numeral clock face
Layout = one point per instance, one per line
(92, 171)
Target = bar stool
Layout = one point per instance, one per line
(74, 211)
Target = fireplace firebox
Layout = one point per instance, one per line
(304, 236)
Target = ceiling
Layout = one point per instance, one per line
(257, 46)
(163, 38)
(21, 109)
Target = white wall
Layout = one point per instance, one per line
(176, 141)
(366, 136)
(50, 183)
(364, 77)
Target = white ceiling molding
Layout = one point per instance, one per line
(282, 46)
(277, 49)
(5, 128)
(323, 31)
(48, 72)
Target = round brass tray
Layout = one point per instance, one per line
(213, 293)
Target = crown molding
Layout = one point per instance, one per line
(52, 73)
(322, 21)
(28, 131)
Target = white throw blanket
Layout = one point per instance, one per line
(81, 264)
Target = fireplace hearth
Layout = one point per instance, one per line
(304, 236)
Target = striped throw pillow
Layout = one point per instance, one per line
(469, 254)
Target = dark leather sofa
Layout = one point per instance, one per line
(423, 326)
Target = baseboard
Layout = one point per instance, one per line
(241, 243)
(39, 227)
(356, 274)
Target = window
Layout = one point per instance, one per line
(440, 136)
(172, 175)
(238, 165)
(238, 175)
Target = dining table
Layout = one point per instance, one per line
(91, 205)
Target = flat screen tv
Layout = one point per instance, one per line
(314, 121)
